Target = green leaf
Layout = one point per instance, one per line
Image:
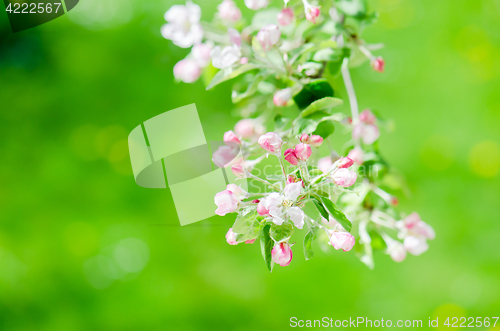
(324, 103)
(252, 88)
(281, 232)
(313, 91)
(308, 240)
(351, 7)
(327, 54)
(230, 73)
(304, 125)
(325, 129)
(337, 214)
(266, 246)
(320, 207)
(280, 123)
(257, 49)
(296, 53)
(275, 177)
(247, 226)
(377, 241)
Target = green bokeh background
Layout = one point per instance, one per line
(72, 89)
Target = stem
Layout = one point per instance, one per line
(249, 175)
(281, 165)
(350, 91)
(303, 171)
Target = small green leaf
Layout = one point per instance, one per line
(337, 213)
(266, 246)
(257, 49)
(246, 226)
(324, 129)
(281, 232)
(304, 125)
(327, 54)
(275, 177)
(315, 90)
(308, 240)
(317, 105)
(252, 88)
(320, 207)
(230, 73)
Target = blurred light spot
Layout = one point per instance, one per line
(119, 157)
(398, 14)
(131, 254)
(465, 290)
(438, 152)
(100, 15)
(81, 238)
(81, 142)
(445, 311)
(96, 270)
(108, 137)
(484, 159)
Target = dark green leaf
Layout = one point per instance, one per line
(230, 73)
(320, 207)
(315, 90)
(324, 129)
(266, 246)
(281, 232)
(337, 213)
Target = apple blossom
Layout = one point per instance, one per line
(234, 37)
(282, 254)
(271, 142)
(201, 54)
(415, 245)
(396, 250)
(315, 140)
(312, 12)
(344, 177)
(269, 36)
(325, 164)
(342, 240)
(249, 241)
(226, 57)
(256, 4)
(226, 201)
(290, 156)
(357, 155)
(231, 137)
(285, 17)
(303, 151)
(225, 156)
(187, 70)
(367, 117)
(231, 237)
(237, 191)
(282, 97)
(239, 171)
(228, 11)
(369, 133)
(248, 128)
(183, 27)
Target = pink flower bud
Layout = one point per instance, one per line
(325, 164)
(234, 37)
(249, 241)
(345, 162)
(282, 97)
(269, 36)
(244, 60)
(367, 117)
(239, 171)
(342, 240)
(262, 209)
(256, 4)
(226, 201)
(228, 11)
(187, 71)
(415, 245)
(230, 137)
(256, 201)
(231, 237)
(201, 54)
(282, 254)
(312, 13)
(356, 154)
(237, 191)
(292, 179)
(315, 141)
(344, 177)
(224, 156)
(417, 227)
(378, 64)
(285, 16)
(290, 156)
(271, 142)
(304, 138)
(303, 151)
(394, 201)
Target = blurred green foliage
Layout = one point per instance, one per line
(82, 247)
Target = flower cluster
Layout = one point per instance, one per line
(288, 61)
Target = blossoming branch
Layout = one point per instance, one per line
(285, 60)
